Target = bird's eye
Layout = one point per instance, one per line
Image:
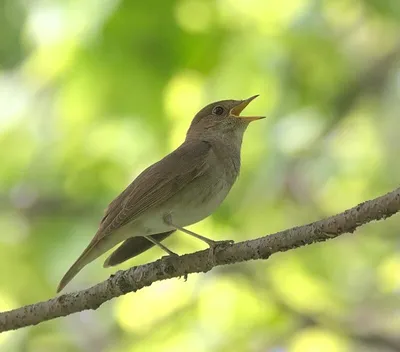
(218, 110)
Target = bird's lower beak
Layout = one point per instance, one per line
(235, 112)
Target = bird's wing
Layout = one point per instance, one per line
(152, 187)
(156, 185)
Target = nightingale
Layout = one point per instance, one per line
(181, 189)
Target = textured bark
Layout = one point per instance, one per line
(141, 276)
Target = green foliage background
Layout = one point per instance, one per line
(92, 92)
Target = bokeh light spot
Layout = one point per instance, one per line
(183, 97)
(194, 15)
(141, 311)
(317, 340)
(388, 274)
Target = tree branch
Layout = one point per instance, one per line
(141, 276)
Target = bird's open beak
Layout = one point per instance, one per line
(235, 112)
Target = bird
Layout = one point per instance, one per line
(181, 189)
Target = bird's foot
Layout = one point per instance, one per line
(215, 247)
(169, 255)
(330, 234)
(169, 263)
(174, 255)
(185, 277)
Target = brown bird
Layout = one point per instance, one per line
(181, 189)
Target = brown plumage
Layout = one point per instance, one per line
(181, 189)
(132, 247)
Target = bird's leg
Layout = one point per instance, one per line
(211, 243)
(214, 245)
(159, 244)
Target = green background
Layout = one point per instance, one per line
(92, 92)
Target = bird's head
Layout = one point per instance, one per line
(222, 119)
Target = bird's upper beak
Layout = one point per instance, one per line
(235, 111)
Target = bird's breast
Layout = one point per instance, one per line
(199, 203)
(204, 194)
(192, 203)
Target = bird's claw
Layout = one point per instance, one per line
(169, 255)
(215, 247)
(185, 277)
(174, 255)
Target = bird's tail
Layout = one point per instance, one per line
(132, 247)
(94, 250)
